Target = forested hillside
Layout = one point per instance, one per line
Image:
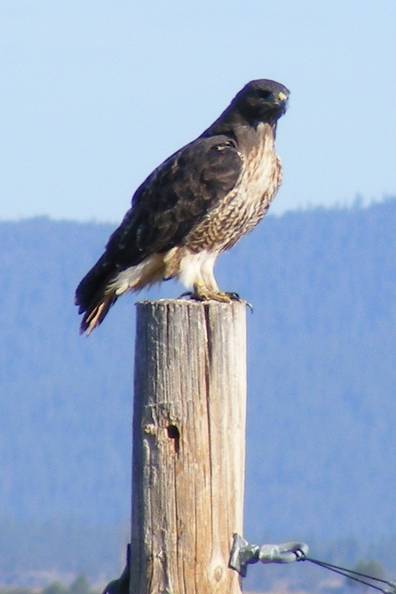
(322, 377)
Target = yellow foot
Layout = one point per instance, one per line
(202, 293)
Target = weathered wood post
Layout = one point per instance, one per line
(188, 446)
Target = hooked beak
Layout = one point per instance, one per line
(281, 101)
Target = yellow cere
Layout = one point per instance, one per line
(282, 96)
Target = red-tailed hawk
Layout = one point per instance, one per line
(195, 205)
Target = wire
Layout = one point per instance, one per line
(352, 574)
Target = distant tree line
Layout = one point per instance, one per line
(79, 585)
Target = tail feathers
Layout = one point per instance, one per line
(103, 284)
(92, 296)
(95, 315)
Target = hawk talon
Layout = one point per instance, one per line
(234, 296)
(231, 294)
(218, 296)
(189, 294)
(202, 294)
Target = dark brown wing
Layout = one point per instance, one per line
(174, 198)
(169, 203)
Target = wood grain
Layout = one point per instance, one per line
(188, 446)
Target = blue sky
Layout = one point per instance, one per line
(95, 94)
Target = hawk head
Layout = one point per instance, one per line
(261, 101)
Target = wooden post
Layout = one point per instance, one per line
(188, 446)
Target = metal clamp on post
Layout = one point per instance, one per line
(244, 554)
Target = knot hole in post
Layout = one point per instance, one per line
(174, 434)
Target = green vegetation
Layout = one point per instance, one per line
(371, 568)
(79, 585)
